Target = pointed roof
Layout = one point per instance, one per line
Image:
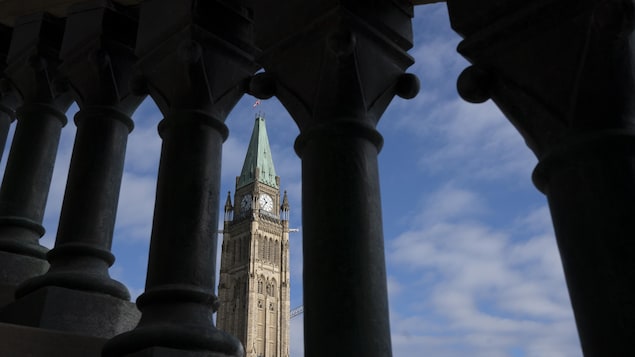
(258, 165)
(228, 202)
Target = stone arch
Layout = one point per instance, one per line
(260, 285)
(273, 287)
(271, 250)
(261, 247)
(276, 255)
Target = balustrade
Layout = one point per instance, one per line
(335, 66)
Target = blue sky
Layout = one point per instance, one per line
(472, 263)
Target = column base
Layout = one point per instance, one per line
(35, 342)
(16, 269)
(170, 352)
(75, 311)
(167, 339)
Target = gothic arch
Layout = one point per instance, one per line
(261, 247)
(276, 257)
(271, 244)
(273, 287)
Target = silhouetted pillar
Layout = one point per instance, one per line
(562, 72)
(352, 65)
(343, 246)
(8, 98)
(195, 74)
(32, 63)
(8, 102)
(7, 114)
(98, 63)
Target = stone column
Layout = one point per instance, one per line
(32, 64)
(8, 97)
(8, 102)
(562, 74)
(352, 63)
(77, 293)
(195, 72)
(7, 115)
(344, 273)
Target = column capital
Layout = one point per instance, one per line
(195, 55)
(98, 56)
(33, 60)
(342, 59)
(557, 69)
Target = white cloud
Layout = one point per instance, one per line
(234, 151)
(449, 202)
(144, 149)
(394, 286)
(485, 290)
(474, 141)
(58, 181)
(136, 206)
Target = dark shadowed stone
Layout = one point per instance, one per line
(80, 312)
(36, 342)
(170, 352)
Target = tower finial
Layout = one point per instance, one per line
(228, 202)
(284, 208)
(229, 209)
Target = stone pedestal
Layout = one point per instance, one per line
(81, 313)
(169, 352)
(26, 341)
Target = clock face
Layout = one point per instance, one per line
(266, 202)
(245, 203)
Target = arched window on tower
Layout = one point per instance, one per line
(273, 288)
(261, 247)
(276, 256)
(260, 284)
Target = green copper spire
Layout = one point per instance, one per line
(258, 164)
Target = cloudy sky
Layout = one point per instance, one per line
(472, 263)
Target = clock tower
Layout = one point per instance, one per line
(254, 274)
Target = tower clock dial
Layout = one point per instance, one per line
(266, 202)
(245, 203)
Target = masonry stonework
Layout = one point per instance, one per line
(254, 275)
